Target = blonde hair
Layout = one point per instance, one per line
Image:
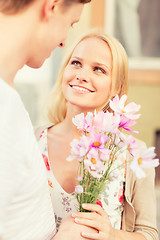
(56, 104)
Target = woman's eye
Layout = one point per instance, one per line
(76, 63)
(99, 69)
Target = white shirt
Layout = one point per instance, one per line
(26, 211)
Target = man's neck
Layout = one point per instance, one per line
(9, 67)
(15, 40)
(11, 53)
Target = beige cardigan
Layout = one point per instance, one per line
(139, 214)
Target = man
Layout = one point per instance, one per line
(29, 31)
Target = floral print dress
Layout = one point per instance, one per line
(64, 204)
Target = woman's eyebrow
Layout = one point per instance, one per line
(95, 63)
(102, 64)
(77, 58)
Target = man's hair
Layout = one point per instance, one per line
(14, 6)
(70, 2)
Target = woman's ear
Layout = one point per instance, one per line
(49, 7)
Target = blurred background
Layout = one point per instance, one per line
(136, 24)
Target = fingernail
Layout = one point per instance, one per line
(74, 215)
(84, 205)
(83, 234)
(76, 220)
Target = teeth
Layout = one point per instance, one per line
(81, 89)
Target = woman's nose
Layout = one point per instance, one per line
(81, 79)
(83, 75)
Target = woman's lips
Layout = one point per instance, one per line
(81, 89)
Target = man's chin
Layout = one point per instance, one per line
(36, 64)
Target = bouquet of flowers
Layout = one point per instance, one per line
(100, 144)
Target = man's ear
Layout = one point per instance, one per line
(49, 7)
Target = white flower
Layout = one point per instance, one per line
(144, 160)
(118, 105)
(79, 189)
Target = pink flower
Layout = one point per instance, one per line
(104, 154)
(132, 145)
(98, 119)
(126, 123)
(118, 106)
(79, 189)
(78, 121)
(45, 158)
(98, 140)
(93, 163)
(79, 148)
(93, 154)
(79, 178)
(106, 122)
(82, 122)
(144, 160)
(111, 123)
(92, 171)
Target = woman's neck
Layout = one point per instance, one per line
(68, 127)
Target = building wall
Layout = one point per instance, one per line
(148, 96)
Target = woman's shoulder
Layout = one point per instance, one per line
(39, 129)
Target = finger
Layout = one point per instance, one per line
(89, 223)
(94, 208)
(86, 215)
(93, 236)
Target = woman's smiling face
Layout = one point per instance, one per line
(87, 77)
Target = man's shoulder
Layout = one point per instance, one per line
(14, 120)
(10, 103)
(8, 96)
(7, 90)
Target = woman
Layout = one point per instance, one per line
(95, 70)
